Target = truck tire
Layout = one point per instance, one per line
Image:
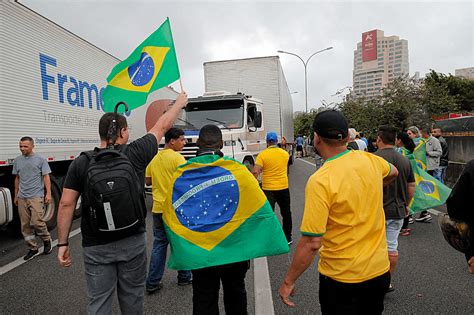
(249, 162)
(51, 210)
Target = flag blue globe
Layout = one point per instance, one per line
(141, 72)
(207, 198)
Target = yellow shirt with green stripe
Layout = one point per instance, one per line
(274, 163)
(161, 170)
(344, 205)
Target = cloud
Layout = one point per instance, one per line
(440, 34)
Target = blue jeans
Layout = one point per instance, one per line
(392, 229)
(158, 255)
(440, 173)
(120, 264)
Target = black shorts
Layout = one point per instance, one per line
(299, 148)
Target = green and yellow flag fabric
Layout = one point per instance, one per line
(216, 214)
(151, 66)
(420, 153)
(429, 192)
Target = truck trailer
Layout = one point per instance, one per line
(261, 78)
(51, 83)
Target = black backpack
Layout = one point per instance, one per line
(113, 194)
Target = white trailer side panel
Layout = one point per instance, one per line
(286, 105)
(50, 86)
(259, 77)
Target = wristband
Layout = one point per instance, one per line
(64, 244)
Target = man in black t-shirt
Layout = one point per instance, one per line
(397, 195)
(119, 262)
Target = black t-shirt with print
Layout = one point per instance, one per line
(140, 152)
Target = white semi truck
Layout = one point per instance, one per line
(51, 82)
(258, 100)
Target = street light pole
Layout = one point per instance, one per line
(305, 64)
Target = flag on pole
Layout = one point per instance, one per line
(429, 192)
(151, 66)
(216, 214)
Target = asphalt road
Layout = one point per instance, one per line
(432, 277)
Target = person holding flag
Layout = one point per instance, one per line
(118, 261)
(216, 219)
(433, 153)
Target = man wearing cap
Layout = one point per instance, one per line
(344, 220)
(273, 164)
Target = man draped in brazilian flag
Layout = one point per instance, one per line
(216, 219)
(151, 66)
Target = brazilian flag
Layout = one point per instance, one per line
(151, 66)
(429, 192)
(216, 214)
(420, 153)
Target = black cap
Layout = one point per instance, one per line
(331, 124)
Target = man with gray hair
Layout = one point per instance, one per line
(31, 181)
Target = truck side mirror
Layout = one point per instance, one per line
(258, 119)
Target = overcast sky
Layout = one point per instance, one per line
(440, 34)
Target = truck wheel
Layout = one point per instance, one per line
(51, 211)
(248, 161)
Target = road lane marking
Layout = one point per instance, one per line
(302, 160)
(20, 261)
(262, 287)
(435, 212)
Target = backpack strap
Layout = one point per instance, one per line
(89, 154)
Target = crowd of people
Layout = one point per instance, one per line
(355, 232)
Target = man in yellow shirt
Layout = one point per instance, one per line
(273, 164)
(344, 217)
(159, 174)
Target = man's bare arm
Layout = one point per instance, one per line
(65, 216)
(47, 186)
(391, 176)
(257, 169)
(166, 121)
(306, 250)
(17, 189)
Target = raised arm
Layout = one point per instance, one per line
(166, 121)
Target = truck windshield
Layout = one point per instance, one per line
(226, 114)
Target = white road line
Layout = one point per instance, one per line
(435, 212)
(20, 261)
(262, 287)
(302, 160)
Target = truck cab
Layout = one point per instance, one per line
(240, 118)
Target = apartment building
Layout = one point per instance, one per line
(378, 60)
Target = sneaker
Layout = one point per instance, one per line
(411, 220)
(31, 253)
(47, 248)
(151, 290)
(390, 288)
(182, 283)
(425, 218)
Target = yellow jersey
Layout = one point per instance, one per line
(274, 163)
(161, 170)
(344, 205)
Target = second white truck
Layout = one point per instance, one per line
(246, 98)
